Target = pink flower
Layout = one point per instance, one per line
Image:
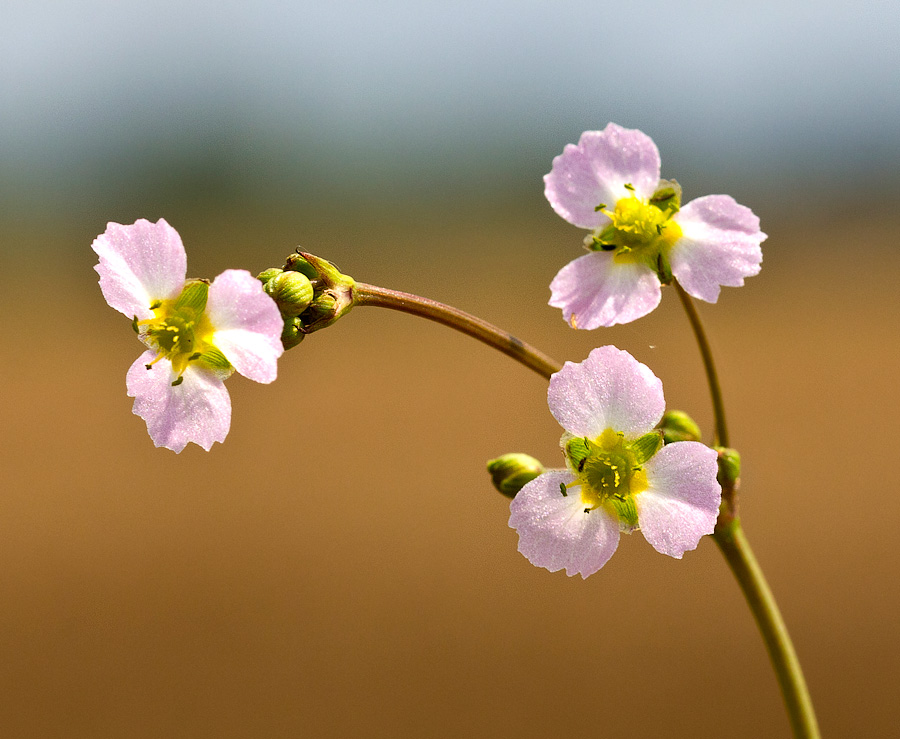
(619, 477)
(197, 333)
(640, 234)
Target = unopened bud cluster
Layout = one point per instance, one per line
(311, 294)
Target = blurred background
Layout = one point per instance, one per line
(341, 566)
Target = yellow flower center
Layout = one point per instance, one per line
(609, 474)
(181, 331)
(638, 230)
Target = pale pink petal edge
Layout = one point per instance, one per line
(554, 530)
(247, 324)
(681, 504)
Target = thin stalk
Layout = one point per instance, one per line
(721, 438)
(729, 535)
(461, 321)
(734, 545)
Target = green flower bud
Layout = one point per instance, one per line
(729, 467)
(678, 426)
(292, 291)
(293, 332)
(268, 274)
(333, 291)
(511, 472)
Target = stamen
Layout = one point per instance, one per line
(158, 357)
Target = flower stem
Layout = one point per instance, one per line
(461, 321)
(721, 438)
(729, 535)
(733, 543)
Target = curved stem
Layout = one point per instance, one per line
(711, 374)
(733, 543)
(461, 321)
(728, 534)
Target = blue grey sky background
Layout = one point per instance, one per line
(102, 99)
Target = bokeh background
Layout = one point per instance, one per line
(341, 566)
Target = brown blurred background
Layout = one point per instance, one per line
(341, 566)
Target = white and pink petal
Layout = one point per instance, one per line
(555, 531)
(140, 264)
(608, 390)
(197, 410)
(596, 170)
(598, 289)
(247, 324)
(720, 245)
(681, 504)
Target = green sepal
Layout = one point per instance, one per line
(663, 269)
(626, 510)
(667, 196)
(604, 241)
(729, 466)
(299, 263)
(193, 297)
(511, 472)
(577, 450)
(678, 426)
(646, 446)
(213, 359)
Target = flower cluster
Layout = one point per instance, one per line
(196, 332)
(619, 477)
(640, 234)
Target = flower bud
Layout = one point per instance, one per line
(333, 291)
(292, 291)
(293, 332)
(678, 426)
(268, 274)
(511, 472)
(729, 467)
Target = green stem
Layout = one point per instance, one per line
(461, 321)
(729, 535)
(712, 376)
(733, 543)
